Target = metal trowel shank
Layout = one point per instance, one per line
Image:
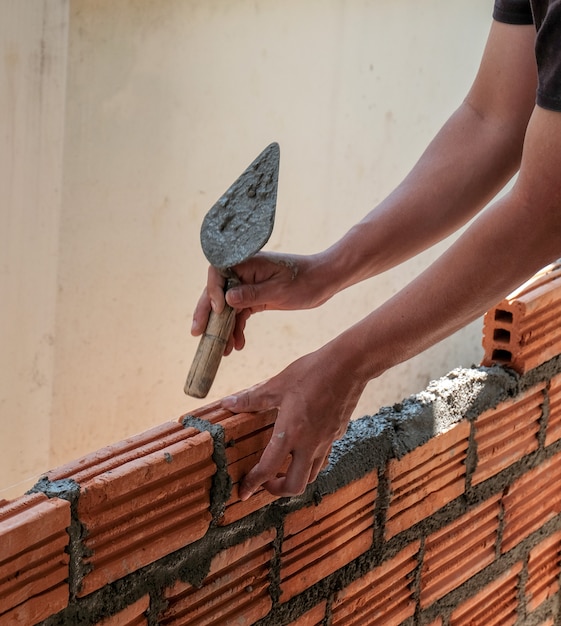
(236, 227)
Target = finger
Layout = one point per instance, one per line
(296, 478)
(269, 465)
(200, 315)
(256, 398)
(254, 296)
(317, 466)
(239, 328)
(215, 289)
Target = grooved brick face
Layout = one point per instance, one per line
(236, 590)
(313, 617)
(459, 550)
(523, 330)
(246, 436)
(133, 615)
(33, 561)
(543, 571)
(318, 540)
(507, 433)
(427, 478)
(553, 429)
(495, 605)
(531, 501)
(142, 499)
(383, 596)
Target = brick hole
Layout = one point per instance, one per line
(501, 335)
(502, 356)
(503, 316)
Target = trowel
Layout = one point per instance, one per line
(237, 226)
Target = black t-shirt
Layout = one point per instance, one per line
(546, 15)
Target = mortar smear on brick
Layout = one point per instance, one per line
(146, 509)
(495, 605)
(382, 596)
(236, 590)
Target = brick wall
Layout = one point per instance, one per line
(443, 510)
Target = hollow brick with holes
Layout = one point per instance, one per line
(427, 478)
(33, 558)
(236, 590)
(505, 434)
(384, 595)
(522, 331)
(318, 540)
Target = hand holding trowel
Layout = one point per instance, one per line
(235, 228)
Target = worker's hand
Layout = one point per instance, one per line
(269, 281)
(315, 400)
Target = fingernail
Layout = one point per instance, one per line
(234, 296)
(244, 494)
(213, 306)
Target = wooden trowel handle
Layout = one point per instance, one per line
(210, 351)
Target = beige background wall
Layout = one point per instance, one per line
(124, 120)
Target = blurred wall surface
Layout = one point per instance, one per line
(122, 123)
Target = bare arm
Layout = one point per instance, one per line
(472, 157)
(468, 162)
(505, 245)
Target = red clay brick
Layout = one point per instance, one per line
(313, 617)
(383, 596)
(117, 454)
(553, 430)
(246, 436)
(318, 540)
(142, 499)
(134, 615)
(236, 591)
(495, 605)
(427, 478)
(507, 433)
(531, 501)
(543, 571)
(437, 622)
(33, 562)
(459, 550)
(523, 331)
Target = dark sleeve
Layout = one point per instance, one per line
(548, 56)
(513, 11)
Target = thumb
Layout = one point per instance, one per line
(246, 296)
(250, 400)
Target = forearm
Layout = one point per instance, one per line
(464, 167)
(500, 250)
